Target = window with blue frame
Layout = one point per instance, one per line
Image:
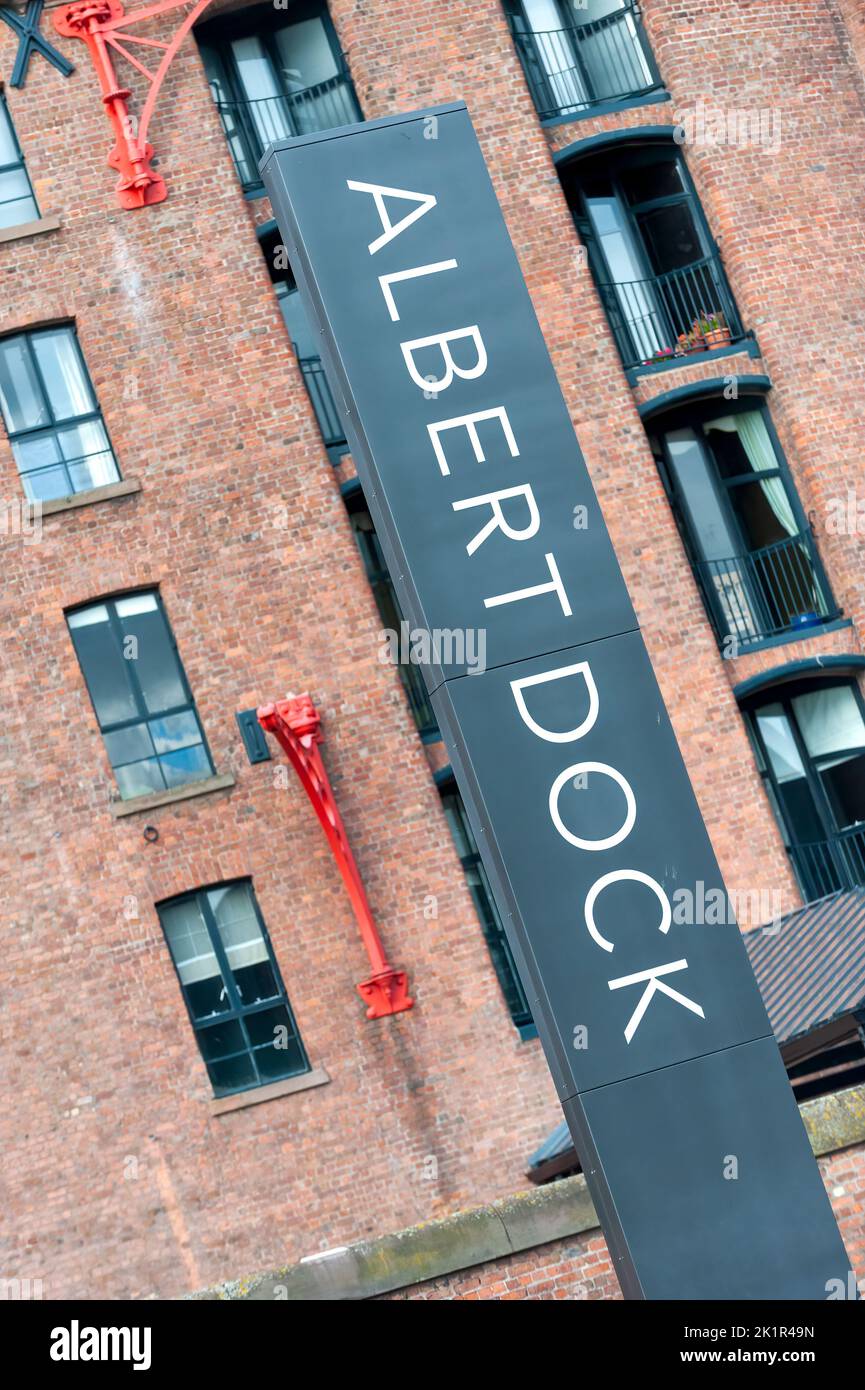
(580, 54)
(304, 342)
(52, 416)
(809, 742)
(655, 263)
(275, 73)
(232, 987)
(750, 545)
(491, 923)
(17, 203)
(140, 694)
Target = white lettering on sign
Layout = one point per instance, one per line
(470, 423)
(425, 202)
(497, 522)
(470, 336)
(654, 986)
(441, 341)
(394, 278)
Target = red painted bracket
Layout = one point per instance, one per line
(296, 724)
(104, 27)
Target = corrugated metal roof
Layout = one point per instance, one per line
(810, 966)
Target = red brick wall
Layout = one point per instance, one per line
(204, 404)
(580, 1268)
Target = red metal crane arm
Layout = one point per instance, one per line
(98, 23)
(295, 723)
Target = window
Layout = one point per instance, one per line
(809, 741)
(577, 53)
(275, 74)
(232, 988)
(497, 942)
(749, 542)
(391, 616)
(17, 204)
(305, 344)
(655, 264)
(139, 691)
(51, 415)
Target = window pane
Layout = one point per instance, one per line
(20, 396)
(233, 1075)
(780, 743)
(647, 181)
(17, 203)
(139, 779)
(174, 732)
(105, 669)
(46, 484)
(36, 452)
(221, 1039)
(830, 720)
(671, 238)
(307, 57)
(63, 373)
(9, 153)
(244, 944)
(129, 745)
(276, 1062)
(197, 966)
(188, 765)
(156, 664)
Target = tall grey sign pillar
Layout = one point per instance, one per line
(654, 1030)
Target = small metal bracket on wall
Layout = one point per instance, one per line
(104, 26)
(295, 723)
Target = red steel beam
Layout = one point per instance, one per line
(296, 724)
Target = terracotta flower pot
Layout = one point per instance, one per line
(717, 337)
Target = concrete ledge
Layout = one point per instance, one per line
(124, 488)
(157, 799)
(289, 1086)
(521, 1222)
(36, 228)
(835, 1122)
(427, 1251)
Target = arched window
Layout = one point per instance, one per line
(653, 258)
(809, 741)
(746, 534)
(577, 54)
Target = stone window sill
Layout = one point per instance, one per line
(222, 1105)
(157, 799)
(24, 229)
(124, 488)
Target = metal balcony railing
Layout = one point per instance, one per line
(572, 69)
(250, 126)
(676, 314)
(825, 866)
(323, 403)
(777, 589)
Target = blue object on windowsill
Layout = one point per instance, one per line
(806, 620)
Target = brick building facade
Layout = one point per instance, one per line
(665, 177)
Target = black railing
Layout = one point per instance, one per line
(250, 126)
(323, 403)
(676, 314)
(825, 866)
(777, 589)
(572, 69)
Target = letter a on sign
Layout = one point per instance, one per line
(562, 748)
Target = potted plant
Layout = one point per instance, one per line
(715, 331)
(661, 355)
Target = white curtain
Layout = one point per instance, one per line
(754, 438)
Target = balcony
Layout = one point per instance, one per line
(251, 125)
(767, 592)
(323, 403)
(675, 315)
(825, 866)
(579, 67)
